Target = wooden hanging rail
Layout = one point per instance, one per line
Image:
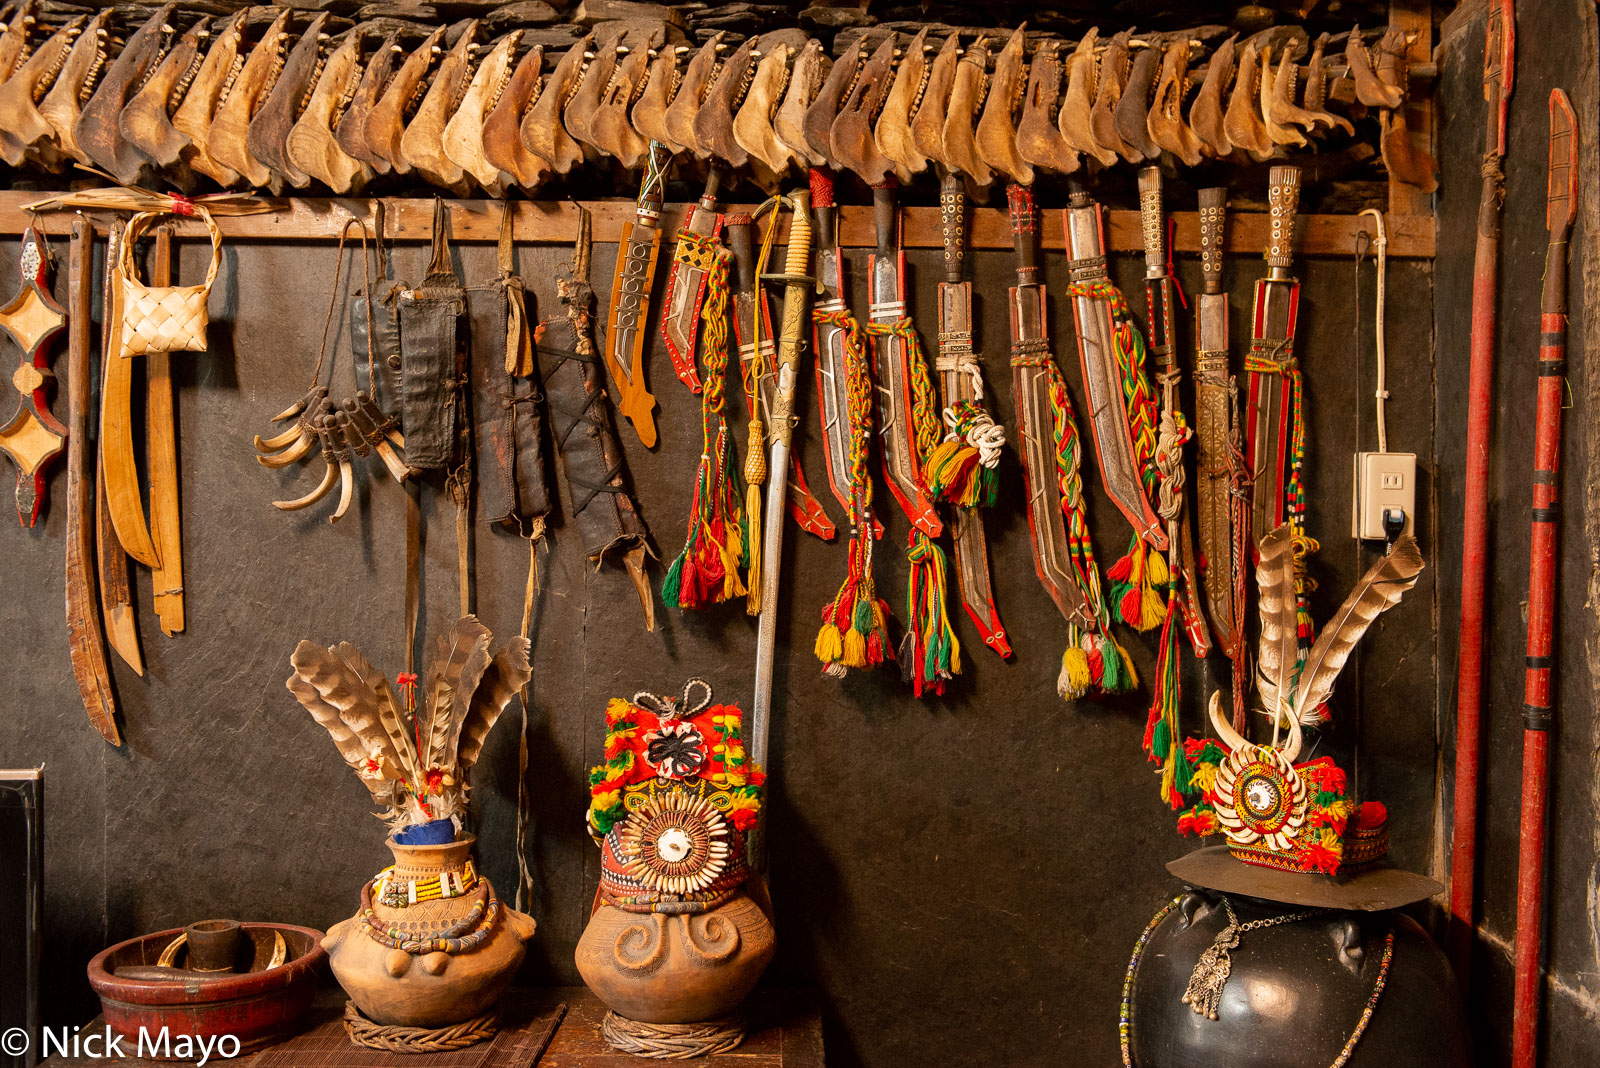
(556, 222)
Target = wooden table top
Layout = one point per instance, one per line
(785, 1031)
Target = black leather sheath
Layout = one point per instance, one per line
(513, 490)
(590, 459)
(433, 359)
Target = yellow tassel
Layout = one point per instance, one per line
(1154, 608)
(1169, 775)
(1156, 570)
(829, 645)
(1073, 682)
(855, 649)
(1127, 665)
(752, 510)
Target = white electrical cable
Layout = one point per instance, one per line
(1381, 243)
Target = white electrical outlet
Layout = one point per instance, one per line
(1384, 482)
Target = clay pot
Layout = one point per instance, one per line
(435, 989)
(676, 968)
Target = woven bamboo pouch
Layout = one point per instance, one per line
(163, 318)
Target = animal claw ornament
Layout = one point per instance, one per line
(355, 425)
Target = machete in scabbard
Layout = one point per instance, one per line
(1173, 503)
(833, 400)
(1212, 388)
(752, 327)
(902, 463)
(1030, 360)
(1108, 416)
(686, 281)
(1269, 406)
(960, 380)
(630, 299)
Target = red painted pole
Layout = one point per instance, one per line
(1497, 69)
(1537, 710)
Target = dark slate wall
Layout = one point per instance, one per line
(964, 873)
(1556, 43)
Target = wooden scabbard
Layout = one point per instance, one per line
(118, 464)
(116, 599)
(166, 580)
(84, 637)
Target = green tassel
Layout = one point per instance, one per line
(1110, 667)
(671, 585)
(861, 621)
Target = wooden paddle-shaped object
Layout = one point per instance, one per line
(32, 436)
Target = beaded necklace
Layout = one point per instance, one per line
(460, 937)
(403, 894)
(1125, 1019)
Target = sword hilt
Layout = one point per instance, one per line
(1283, 199)
(1213, 218)
(1152, 221)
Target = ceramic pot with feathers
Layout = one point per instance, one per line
(680, 930)
(431, 944)
(397, 958)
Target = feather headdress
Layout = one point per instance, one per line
(413, 760)
(1275, 812)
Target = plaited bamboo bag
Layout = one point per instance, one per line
(163, 318)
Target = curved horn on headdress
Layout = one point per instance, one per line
(1223, 725)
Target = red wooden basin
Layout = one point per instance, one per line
(258, 1008)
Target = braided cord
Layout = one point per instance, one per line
(707, 571)
(855, 623)
(930, 653)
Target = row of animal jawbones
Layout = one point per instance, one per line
(283, 113)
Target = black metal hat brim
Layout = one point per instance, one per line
(1373, 890)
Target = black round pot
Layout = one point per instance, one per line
(1296, 992)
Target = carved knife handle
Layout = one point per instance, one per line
(1213, 218)
(1024, 226)
(738, 229)
(1153, 222)
(884, 218)
(653, 183)
(821, 182)
(952, 220)
(1283, 199)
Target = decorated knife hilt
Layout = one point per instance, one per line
(797, 282)
(1213, 218)
(653, 183)
(1283, 199)
(886, 219)
(822, 207)
(953, 224)
(1024, 218)
(1153, 222)
(737, 228)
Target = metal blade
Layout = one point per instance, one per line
(686, 286)
(803, 506)
(1267, 408)
(1108, 418)
(971, 542)
(1047, 525)
(892, 368)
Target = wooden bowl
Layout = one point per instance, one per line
(258, 1008)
